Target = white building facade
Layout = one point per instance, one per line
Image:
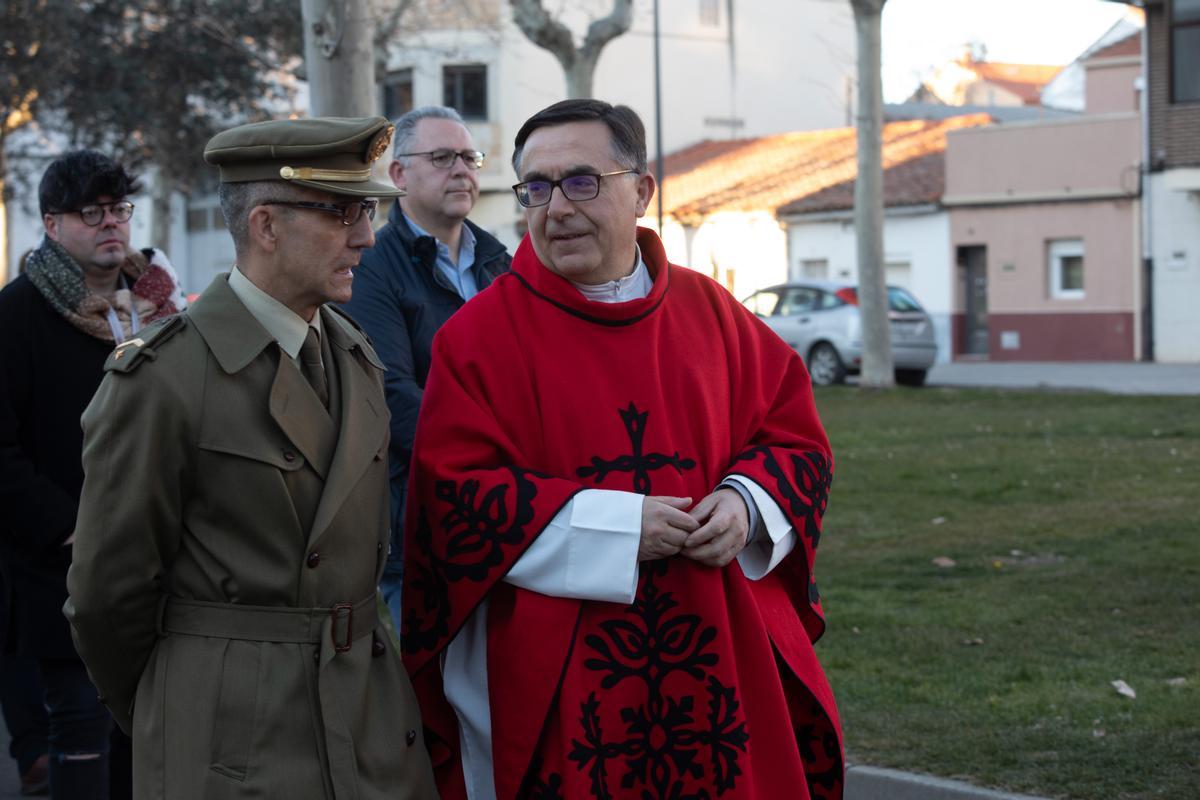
(917, 257)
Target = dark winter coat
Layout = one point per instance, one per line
(49, 371)
(401, 299)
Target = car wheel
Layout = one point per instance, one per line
(825, 366)
(911, 377)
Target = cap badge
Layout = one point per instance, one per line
(379, 144)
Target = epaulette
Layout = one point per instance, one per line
(129, 354)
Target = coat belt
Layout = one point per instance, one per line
(344, 623)
(332, 630)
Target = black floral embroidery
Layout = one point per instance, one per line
(425, 626)
(725, 735)
(666, 743)
(549, 787)
(639, 463)
(813, 477)
(822, 756)
(652, 646)
(476, 530)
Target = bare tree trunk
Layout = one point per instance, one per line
(339, 57)
(579, 64)
(877, 367)
(10, 267)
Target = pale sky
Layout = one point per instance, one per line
(920, 34)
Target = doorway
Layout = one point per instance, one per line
(972, 274)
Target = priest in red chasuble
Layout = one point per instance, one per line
(618, 483)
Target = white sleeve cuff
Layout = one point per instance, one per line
(588, 551)
(764, 554)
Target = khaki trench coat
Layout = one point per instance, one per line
(230, 537)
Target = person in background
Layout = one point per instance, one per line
(426, 263)
(84, 290)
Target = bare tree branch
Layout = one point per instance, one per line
(544, 30)
(604, 30)
(579, 64)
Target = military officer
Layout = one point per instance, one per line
(234, 516)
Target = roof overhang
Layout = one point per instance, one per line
(847, 214)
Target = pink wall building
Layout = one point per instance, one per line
(1045, 230)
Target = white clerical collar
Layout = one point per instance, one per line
(633, 286)
(285, 326)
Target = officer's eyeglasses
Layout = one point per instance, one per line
(93, 215)
(444, 159)
(574, 187)
(349, 212)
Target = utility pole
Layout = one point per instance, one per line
(658, 149)
(339, 57)
(877, 367)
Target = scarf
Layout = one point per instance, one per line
(149, 291)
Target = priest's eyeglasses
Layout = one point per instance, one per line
(93, 215)
(574, 187)
(349, 212)
(444, 159)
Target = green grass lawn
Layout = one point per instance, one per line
(1073, 521)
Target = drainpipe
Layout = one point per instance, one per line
(1147, 217)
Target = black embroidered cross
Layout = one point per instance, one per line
(639, 463)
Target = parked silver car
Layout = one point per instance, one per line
(821, 321)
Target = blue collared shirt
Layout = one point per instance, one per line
(460, 275)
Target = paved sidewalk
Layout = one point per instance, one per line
(876, 783)
(862, 783)
(1112, 377)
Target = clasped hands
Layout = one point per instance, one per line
(712, 532)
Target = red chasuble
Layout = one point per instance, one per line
(707, 686)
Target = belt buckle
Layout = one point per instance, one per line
(335, 613)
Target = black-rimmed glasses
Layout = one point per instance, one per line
(93, 215)
(444, 159)
(585, 186)
(349, 212)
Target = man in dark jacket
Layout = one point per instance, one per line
(84, 289)
(426, 263)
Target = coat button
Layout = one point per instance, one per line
(410, 738)
(378, 648)
(289, 456)
(314, 558)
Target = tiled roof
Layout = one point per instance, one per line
(810, 170)
(1023, 80)
(916, 181)
(1131, 45)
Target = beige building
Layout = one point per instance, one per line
(1045, 227)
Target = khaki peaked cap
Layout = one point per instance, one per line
(333, 154)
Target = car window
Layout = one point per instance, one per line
(762, 303)
(900, 300)
(797, 301)
(828, 300)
